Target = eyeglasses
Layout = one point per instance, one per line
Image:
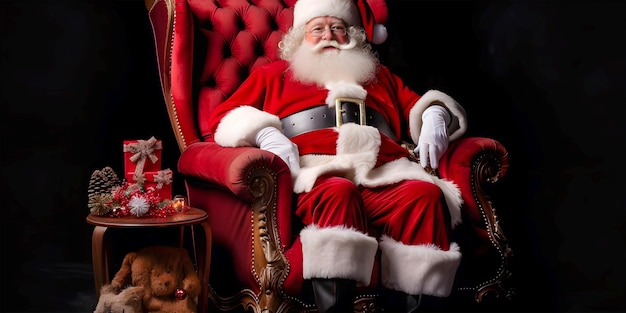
(319, 31)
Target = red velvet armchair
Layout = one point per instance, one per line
(204, 50)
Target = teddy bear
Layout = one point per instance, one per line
(166, 274)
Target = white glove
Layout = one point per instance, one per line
(272, 140)
(433, 140)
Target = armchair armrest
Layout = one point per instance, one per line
(230, 168)
(473, 163)
(264, 181)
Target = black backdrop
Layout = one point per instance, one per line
(545, 78)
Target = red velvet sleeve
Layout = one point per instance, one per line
(251, 92)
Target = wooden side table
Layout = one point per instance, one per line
(100, 247)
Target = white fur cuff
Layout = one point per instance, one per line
(337, 252)
(421, 269)
(455, 130)
(239, 127)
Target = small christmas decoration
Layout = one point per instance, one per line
(109, 196)
(134, 199)
(181, 294)
(103, 180)
(138, 205)
(148, 195)
(99, 204)
(141, 156)
(99, 193)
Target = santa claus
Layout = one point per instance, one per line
(336, 117)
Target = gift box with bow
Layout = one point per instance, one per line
(141, 156)
(160, 180)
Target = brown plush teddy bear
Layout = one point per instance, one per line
(167, 276)
(126, 301)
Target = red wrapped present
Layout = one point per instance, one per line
(141, 156)
(160, 180)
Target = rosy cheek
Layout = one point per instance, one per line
(311, 39)
(342, 40)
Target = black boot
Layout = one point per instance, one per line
(334, 295)
(399, 302)
(432, 304)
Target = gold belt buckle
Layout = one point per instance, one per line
(339, 109)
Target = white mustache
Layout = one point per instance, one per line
(333, 43)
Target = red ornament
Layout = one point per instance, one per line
(181, 294)
(159, 208)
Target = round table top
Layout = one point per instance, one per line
(189, 217)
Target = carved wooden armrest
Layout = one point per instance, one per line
(475, 164)
(262, 179)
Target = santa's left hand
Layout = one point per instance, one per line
(273, 140)
(433, 140)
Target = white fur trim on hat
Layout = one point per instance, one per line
(380, 34)
(306, 10)
(418, 269)
(337, 252)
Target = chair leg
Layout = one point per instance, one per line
(334, 295)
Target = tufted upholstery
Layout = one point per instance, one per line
(208, 47)
(236, 37)
(204, 50)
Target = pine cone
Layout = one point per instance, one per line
(102, 181)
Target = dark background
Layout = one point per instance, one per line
(545, 78)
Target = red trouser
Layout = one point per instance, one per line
(411, 212)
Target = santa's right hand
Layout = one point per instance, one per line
(273, 140)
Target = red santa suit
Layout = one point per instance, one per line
(357, 182)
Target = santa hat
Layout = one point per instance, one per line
(371, 16)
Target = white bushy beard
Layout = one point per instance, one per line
(314, 64)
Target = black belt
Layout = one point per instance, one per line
(352, 111)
